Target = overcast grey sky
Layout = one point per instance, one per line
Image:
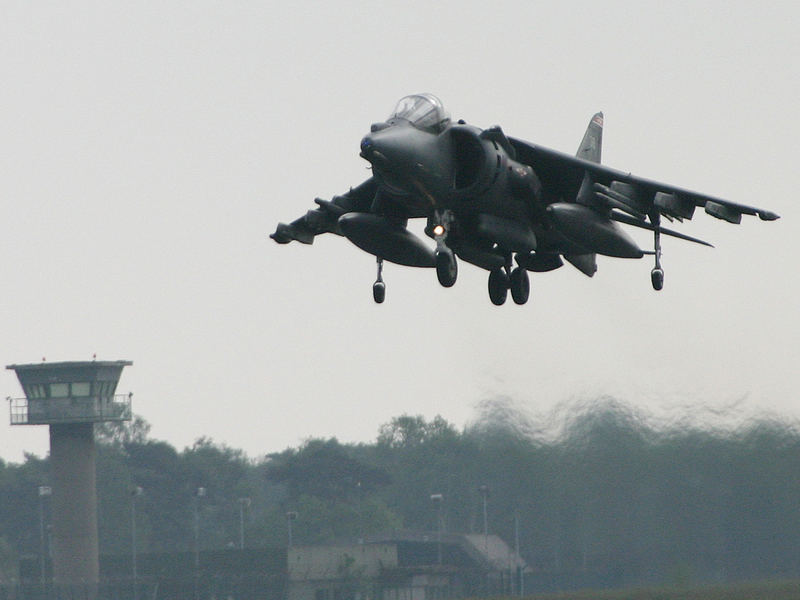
(147, 149)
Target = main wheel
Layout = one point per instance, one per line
(657, 278)
(498, 287)
(379, 292)
(446, 267)
(520, 285)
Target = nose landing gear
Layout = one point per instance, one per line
(446, 265)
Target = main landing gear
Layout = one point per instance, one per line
(504, 279)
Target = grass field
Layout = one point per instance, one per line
(766, 590)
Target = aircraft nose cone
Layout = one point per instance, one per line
(370, 152)
(367, 146)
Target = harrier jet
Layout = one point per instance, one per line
(497, 202)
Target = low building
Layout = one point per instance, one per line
(400, 566)
(406, 566)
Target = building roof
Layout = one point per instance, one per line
(494, 551)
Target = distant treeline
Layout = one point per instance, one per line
(606, 498)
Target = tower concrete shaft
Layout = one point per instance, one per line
(75, 551)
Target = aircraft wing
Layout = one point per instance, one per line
(324, 218)
(564, 179)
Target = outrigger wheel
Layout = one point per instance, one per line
(657, 278)
(379, 288)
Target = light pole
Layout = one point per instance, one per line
(290, 516)
(484, 491)
(199, 493)
(243, 503)
(517, 557)
(438, 500)
(45, 491)
(135, 493)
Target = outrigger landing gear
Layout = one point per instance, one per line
(657, 274)
(379, 288)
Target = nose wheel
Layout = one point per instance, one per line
(446, 266)
(379, 288)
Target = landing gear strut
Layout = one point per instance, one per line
(379, 288)
(446, 265)
(657, 274)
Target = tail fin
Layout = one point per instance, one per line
(592, 142)
(590, 149)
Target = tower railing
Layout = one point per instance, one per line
(45, 411)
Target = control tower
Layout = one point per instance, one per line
(71, 397)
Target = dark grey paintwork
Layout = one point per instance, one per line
(497, 202)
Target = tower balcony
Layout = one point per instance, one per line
(47, 411)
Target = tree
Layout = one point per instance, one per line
(122, 433)
(9, 571)
(324, 469)
(407, 431)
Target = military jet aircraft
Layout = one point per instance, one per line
(500, 203)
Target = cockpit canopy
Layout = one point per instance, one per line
(423, 111)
